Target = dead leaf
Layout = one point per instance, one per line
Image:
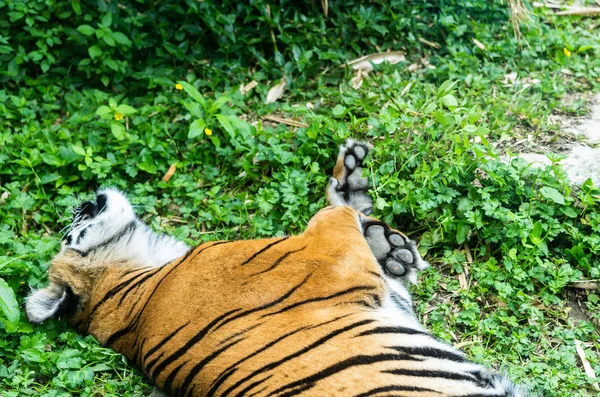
(510, 78)
(325, 5)
(413, 66)
(406, 89)
(3, 197)
(462, 280)
(169, 173)
(479, 44)
(364, 63)
(276, 92)
(358, 79)
(430, 43)
(589, 371)
(244, 89)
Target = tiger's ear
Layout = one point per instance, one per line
(47, 302)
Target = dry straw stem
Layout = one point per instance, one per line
(589, 11)
(569, 10)
(584, 284)
(364, 64)
(586, 364)
(325, 5)
(285, 121)
(244, 89)
(518, 14)
(170, 173)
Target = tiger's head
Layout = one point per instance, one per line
(104, 232)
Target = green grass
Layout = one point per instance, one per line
(66, 69)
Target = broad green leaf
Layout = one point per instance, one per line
(108, 39)
(569, 211)
(196, 128)
(126, 110)
(94, 51)
(117, 130)
(86, 30)
(121, 39)
(450, 101)
(103, 110)
(218, 103)
(111, 63)
(8, 303)
(216, 141)
(78, 149)
(462, 231)
(552, 194)
(226, 124)
(193, 92)
(445, 88)
(338, 110)
(107, 20)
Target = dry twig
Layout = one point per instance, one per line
(285, 121)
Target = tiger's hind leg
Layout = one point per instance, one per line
(348, 186)
(396, 254)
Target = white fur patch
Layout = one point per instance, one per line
(43, 303)
(117, 235)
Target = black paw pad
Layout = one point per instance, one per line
(349, 186)
(397, 256)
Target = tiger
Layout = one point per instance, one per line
(324, 313)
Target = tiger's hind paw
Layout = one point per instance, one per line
(397, 255)
(348, 186)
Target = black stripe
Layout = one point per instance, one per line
(277, 262)
(375, 299)
(298, 353)
(320, 299)
(426, 373)
(252, 385)
(400, 301)
(168, 384)
(134, 286)
(82, 234)
(378, 275)
(264, 249)
(363, 303)
(309, 381)
(392, 330)
(133, 323)
(240, 333)
(386, 389)
(198, 367)
(183, 349)
(162, 342)
(115, 290)
(429, 352)
(266, 305)
(233, 368)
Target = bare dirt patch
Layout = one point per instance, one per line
(578, 141)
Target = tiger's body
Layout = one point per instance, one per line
(324, 313)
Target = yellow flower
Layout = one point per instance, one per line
(208, 131)
(178, 87)
(118, 116)
(567, 52)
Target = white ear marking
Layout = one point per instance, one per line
(44, 303)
